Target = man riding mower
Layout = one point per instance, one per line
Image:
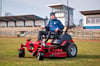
(56, 44)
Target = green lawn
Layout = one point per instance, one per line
(88, 55)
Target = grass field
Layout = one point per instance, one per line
(88, 55)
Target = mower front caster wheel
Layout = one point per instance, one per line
(21, 53)
(40, 56)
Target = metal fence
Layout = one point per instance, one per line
(16, 33)
(74, 34)
(8, 33)
(85, 34)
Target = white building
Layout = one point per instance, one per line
(91, 19)
(62, 13)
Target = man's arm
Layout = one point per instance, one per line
(48, 23)
(60, 25)
(47, 26)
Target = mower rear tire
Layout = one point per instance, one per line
(40, 56)
(21, 53)
(71, 50)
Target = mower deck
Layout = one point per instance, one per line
(55, 54)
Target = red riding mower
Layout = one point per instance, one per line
(57, 46)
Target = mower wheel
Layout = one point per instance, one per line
(71, 50)
(21, 53)
(40, 56)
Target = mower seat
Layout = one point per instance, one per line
(56, 42)
(52, 36)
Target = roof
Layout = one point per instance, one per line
(92, 12)
(20, 18)
(59, 5)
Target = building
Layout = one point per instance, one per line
(22, 21)
(81, 22)
(62, 13)
(91, 19)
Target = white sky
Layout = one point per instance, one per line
(40, 7)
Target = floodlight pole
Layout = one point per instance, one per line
(68, 12)
(67, 2)
(1, 8)
(67, 16)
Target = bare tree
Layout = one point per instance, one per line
(8, 14)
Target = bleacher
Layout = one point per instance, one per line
(14, 31)
(76, 32)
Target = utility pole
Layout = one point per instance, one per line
(0, 7)
(68, 13)
(67, 16)
(67, 2)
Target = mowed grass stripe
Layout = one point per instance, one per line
(88, 55)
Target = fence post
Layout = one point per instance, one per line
(15, 33)
(5, 33)
(73, 33)
(9, 32)
(92, 34)
(0, 32)
(82, 34)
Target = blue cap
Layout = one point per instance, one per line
(52, 13)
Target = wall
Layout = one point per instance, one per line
(60, 16)
(91, 24)
(29, 23)
(19, 23)
(2, 24)
(39, 23)
(63, 17)
(11, 24)
(92, 21)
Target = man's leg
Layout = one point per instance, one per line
(40, 34)
(48, 36)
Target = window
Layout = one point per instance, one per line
(89, 20)
(97, 20)
(93, 20)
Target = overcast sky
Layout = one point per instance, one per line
(40, 7)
